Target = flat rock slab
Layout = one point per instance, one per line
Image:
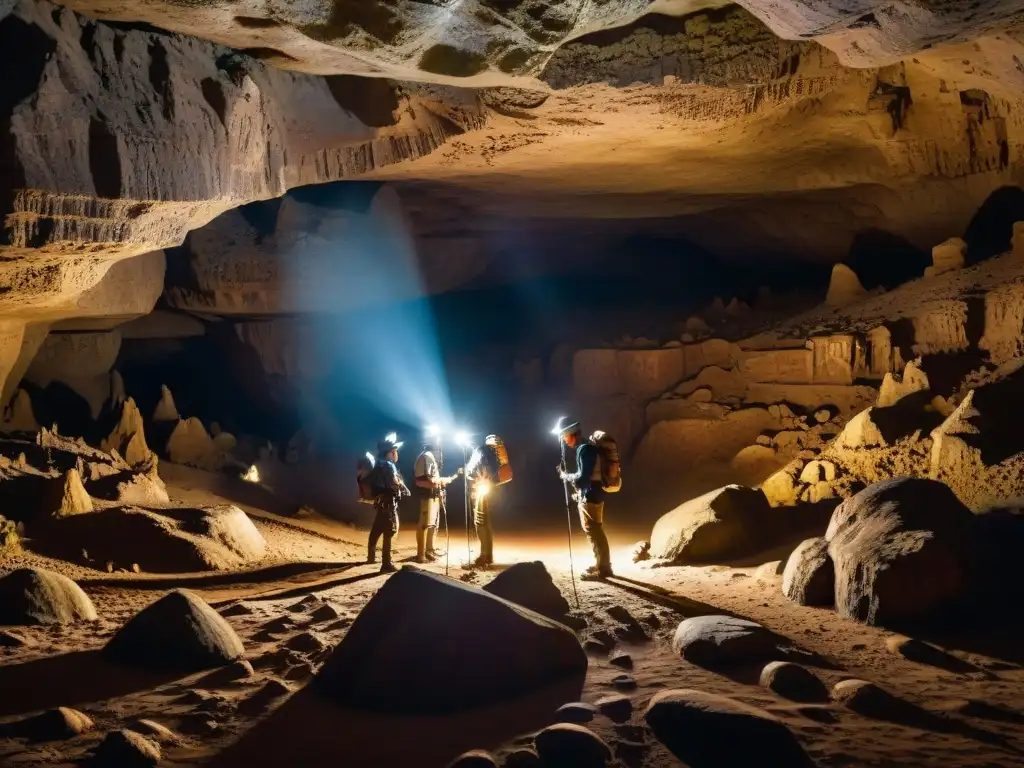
(709, 731)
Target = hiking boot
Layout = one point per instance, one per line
(388, 568)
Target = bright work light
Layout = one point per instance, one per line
(558, 427)
(462, 439)
(432, 430)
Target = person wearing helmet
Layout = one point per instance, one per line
(484, 473)
(589, 497)
(430, 487)
(388, 488)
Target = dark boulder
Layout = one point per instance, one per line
(903, 553)
(530, 585)
(726, 523)
(179, 631)
(708, 731)
(571, 746)
(809, 577)
(793, 681)
(713, 640)
(492, 649)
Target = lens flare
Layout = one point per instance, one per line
(252, 475)
(462, 439)
(482, 489)
(363, 288)
(558, 426)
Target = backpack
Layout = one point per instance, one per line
(496, 458)
(364, 479)
(609, 466)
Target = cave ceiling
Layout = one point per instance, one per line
(759, 129)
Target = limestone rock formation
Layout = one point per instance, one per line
(782, 488)
(809, 577)
(233, 267)
(35, 596)
(901, 553)
(80, 361)
(894, 388)
(191, 444)
(160, 540)
(66, 496)
(18, 415)
(128, 437)
(755, 462)
(530, 585)
(729, 522)
(535, 651)
(179, 631)
(190, 103)
(705, 730)
(947, 257)
(166, 410)
(844, 287)
(10, 541)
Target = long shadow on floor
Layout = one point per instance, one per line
(746, 673)
(310, 731)
(71, 679)
(273, 573)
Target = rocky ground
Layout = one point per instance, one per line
(960, 705)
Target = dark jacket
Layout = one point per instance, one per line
(587, 455)
(387, 480)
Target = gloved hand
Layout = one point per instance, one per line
(561, 473)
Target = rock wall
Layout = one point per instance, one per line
(332, 253)
(99, 118)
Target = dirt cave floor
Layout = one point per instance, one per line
(970, 702)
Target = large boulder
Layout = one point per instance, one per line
(728, 522)
(179, 631)
(714, 640)
(35, 596)
(709, 731)
(159, 539)
(902, 553)
(809, 577)
(530, 585)
(492, 649)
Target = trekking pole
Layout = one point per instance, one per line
(568, 524)
(465, 502)
(447, 535)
